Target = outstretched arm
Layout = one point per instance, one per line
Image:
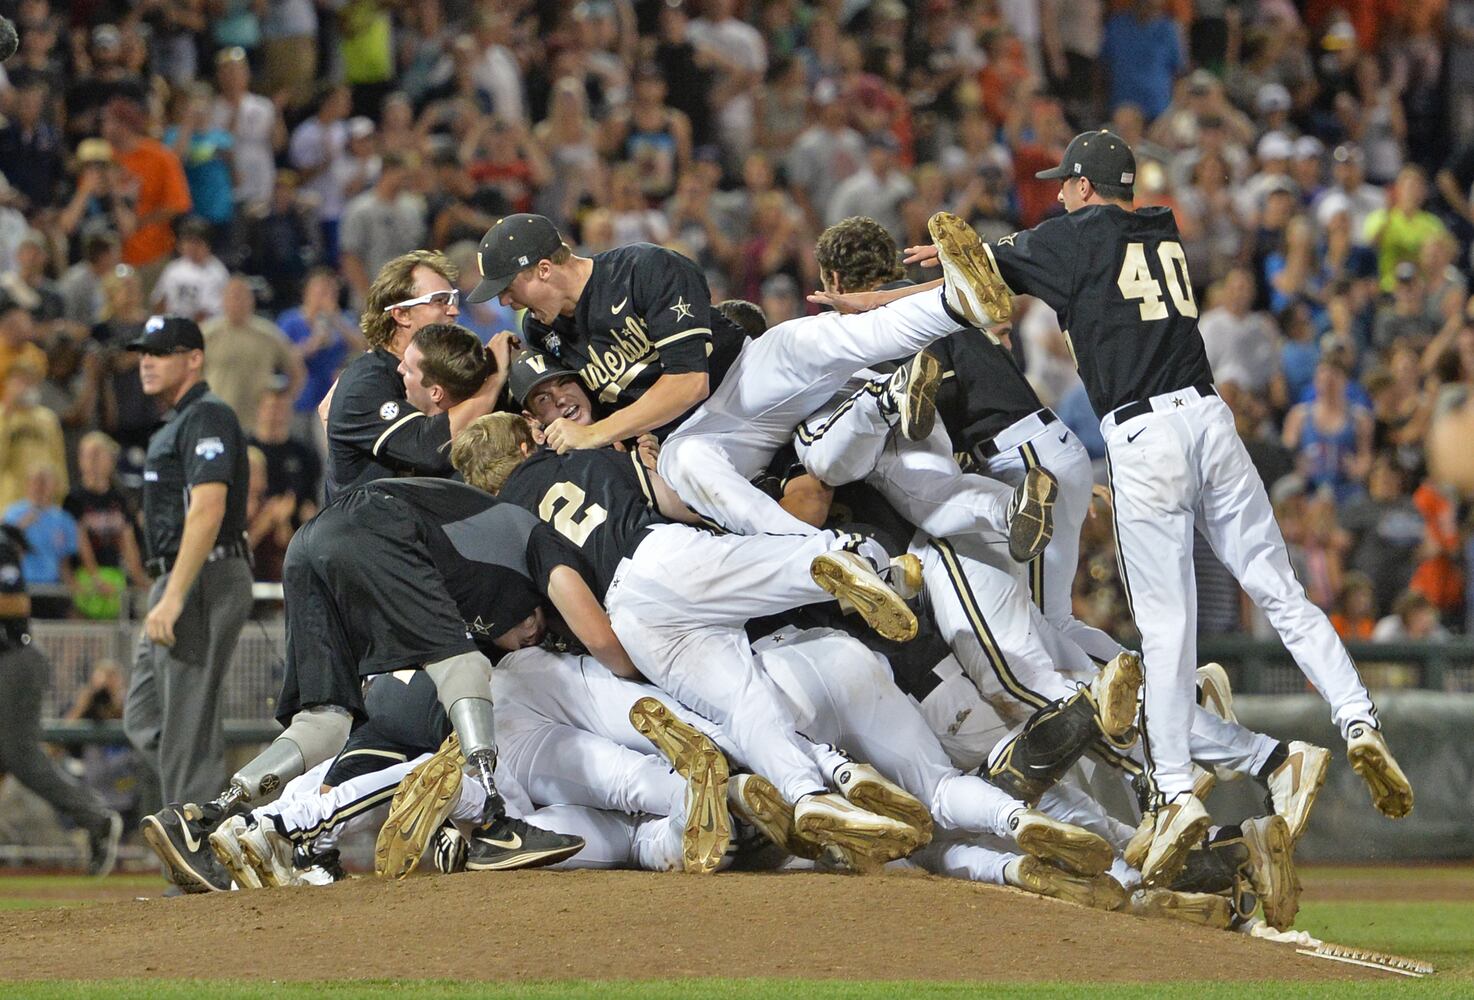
(586, 617)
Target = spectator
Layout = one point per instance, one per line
(1400, 230)
(633, 220)
(497, 73)
(740, 57)
(1349, 193)
(1330, 437)
(876, 190)
(100, 78)
(1413, 619)
(484, 319)
(653, 137)
(51, 537)
(1386, 532)
(689, 74)
(1438, 576)
(1354, 616)
(1141, 55)
(80, 287)
(27, 284)
(379, 225)
(316, 147)
(206, 154)
(1242, 345)
(323, 334)
(1300, 351)
(366, 50)
(825, 153)
(284, 242)
(107, 519)
(1404, 318)
(289, 51)
(31, 147)
(162, 192)
(571, 139)
(245, 353)
(30, 437)
(292, 468)
(255, 126)
(193, 283)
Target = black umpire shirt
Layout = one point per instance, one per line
(1119, 282)
(201, 442)
(599, 499)
(645, 312)
(374, 432)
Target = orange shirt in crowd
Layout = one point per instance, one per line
(1438, 577)
(1353, 629)
(161, 187)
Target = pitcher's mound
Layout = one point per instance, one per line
(633, 925)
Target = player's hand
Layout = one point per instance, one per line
(159, 625)
(925, 255)
(648, 447)
(848, 302)
(501, 347)
(564, 436)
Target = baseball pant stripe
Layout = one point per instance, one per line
(344, 813)
(1036, 565)
(809, 436)
(980, 629)
(1146, 746)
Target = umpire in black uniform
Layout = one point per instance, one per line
(194, 508)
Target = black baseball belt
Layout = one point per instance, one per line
(1141, 406)
(160, 565)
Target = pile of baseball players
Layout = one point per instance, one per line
(711, 595)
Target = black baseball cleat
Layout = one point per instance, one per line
(102, 845)
(179, 835)
(1031, 514)
(506, 843)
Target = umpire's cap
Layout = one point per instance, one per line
(1100, 157)
(515, 242)
(169, 335)
(531, 369)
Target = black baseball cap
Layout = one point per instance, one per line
(1100, 157)
(515, 242)
(169, 335)
(531, 369)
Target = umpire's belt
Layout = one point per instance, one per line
(1163, 403)
(226, 550)
(1015, 434)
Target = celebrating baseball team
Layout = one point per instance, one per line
(709, 595)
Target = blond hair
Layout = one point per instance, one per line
(100, 439)
(395, 282)
(490, 449)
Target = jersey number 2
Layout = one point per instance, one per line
(560, 507)
(1136, 281)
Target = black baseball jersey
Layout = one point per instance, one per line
(645, 312)
(601, 500)
(374, 432)
(982, 392)
(201, 442)
(403, 572)
(1119, 282)
(14, 632)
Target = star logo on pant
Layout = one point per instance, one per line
(1177, 401)
(682, 309)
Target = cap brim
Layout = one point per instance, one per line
(489, 288)
(1055, 173)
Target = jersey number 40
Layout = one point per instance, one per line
(1137, 282)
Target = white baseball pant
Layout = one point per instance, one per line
(776, 382)
(1180, 465)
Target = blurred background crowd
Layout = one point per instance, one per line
(252, 163)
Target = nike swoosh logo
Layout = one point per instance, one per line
(616, 309)
(1133, 437)
(510, 845)
(1064, 437)
(190, 840)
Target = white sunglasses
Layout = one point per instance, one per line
(447, 298)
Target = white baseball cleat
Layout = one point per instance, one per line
(1370, 757)
(1116, 691)
(1294, 785)
(1272, 869)
(825, 819)
(857, 587)
(1177, 827)
(973, 287)
(1218, 699)
(225, 842)
(869, 789)
(1099, 892)
(1063, 844)
(1205, 908)
(269, 853)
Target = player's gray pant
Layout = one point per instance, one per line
(776, 382)
(24, 677)
(922, 480)
(1031, 443)
(172, 714)
(1184, 465)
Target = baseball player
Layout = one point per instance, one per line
(1118, 279)
(373, 431)
(396, 574)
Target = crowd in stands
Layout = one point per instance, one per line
(252, 163)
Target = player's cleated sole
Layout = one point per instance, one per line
(1178, 827)
(977, 290)
(1217, 697)
(227, 847)
(708, 830)
(855, 585)
(832, 819)
(757, 803)
(1116, 692)
(1099, 892)
(1062, 844)
(916, 398)
(1031, 518)
(867, 788)
(179, 867)
(1207, 909)
(1294, 785)
(422, 802)
(1272, 869)
(1370, 757)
